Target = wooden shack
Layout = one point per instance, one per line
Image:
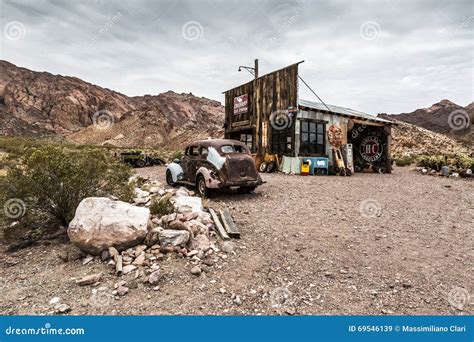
(267, 114)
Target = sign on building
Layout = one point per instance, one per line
(371, 149)
(241, 104)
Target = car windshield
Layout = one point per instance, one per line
(232, 149)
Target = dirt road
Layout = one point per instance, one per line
(366, 244)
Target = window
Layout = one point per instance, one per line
(312, 136)
(281, 141)
(204, 151)
(227, 149)
(247, 139)
(193, 150)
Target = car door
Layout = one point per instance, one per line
(191, 164)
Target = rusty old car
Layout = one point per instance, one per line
(215, 164)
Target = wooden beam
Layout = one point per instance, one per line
(229, 224)
(220, 230)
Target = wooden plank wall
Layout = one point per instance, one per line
(275, 91)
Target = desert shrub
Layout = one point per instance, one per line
(432, 162)
(465, 162)
(162, 206)
(51, 181)
(176, 155)
(403, 160)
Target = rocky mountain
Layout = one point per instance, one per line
(444, 117)
(408, 139)
(41, 104)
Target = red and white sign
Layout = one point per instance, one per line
(241, 104)
(370, 148)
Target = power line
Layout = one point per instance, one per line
(306, 84)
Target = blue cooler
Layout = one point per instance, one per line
(319, 165)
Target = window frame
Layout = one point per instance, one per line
(282, 137)
(305, 146)
(190, 151)
(247, 141)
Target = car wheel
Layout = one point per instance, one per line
(271, 167)
(169, 178)
(201, 186)
(263, 166)
(140, 163)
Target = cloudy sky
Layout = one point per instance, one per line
(375, 56)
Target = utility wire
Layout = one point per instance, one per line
(306, 84)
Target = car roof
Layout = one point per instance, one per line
(216, 142)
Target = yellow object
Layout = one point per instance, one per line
(305, 168)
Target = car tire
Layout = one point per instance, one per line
(201, 187)
(169, 178)
(263, 166)
(140, 163)
(271, 167)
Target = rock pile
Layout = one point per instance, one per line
(133, 239)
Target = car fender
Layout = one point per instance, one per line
(211, 182)
(176, 171)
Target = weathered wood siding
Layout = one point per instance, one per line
(275, 91)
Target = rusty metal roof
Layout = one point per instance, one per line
(341, 110)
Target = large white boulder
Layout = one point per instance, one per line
(101, 223)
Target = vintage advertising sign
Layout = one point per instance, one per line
(241, 123)
(371, 148)
(241, 104)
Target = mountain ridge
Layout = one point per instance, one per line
(42, 104)
(37, 104)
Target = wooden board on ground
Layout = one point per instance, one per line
(219, 227)
(229, 224)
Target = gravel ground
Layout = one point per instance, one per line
(366, 244)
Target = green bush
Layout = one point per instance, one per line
(432, 162)
(465, 162)
(162, 206)
(437, 161)
(403, 160)
(51, 181)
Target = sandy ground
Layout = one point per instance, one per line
(366, 244)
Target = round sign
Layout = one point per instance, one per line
(370, 148)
